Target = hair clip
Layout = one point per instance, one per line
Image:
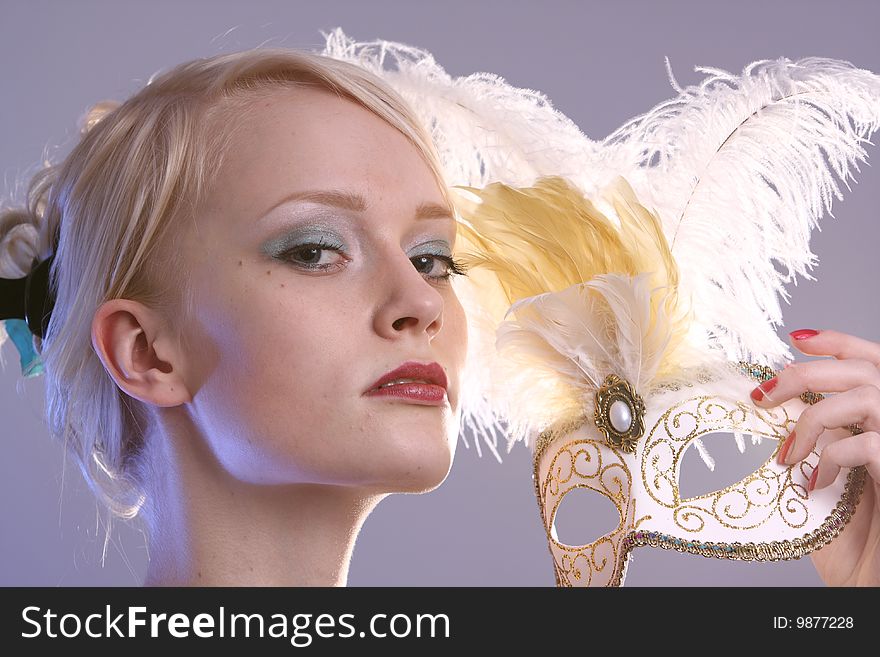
(23, 339)
(26, 305)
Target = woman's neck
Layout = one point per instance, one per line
(211, 529)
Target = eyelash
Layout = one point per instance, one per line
(454, 266)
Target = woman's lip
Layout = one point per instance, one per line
(417, 393)
(431, 373)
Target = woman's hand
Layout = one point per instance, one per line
(853, 557)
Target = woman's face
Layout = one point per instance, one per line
(317, 267)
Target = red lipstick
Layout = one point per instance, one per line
(413, 381)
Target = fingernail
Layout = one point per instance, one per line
(813, 478)
(758, 393)
(803, 334)
(783, 452)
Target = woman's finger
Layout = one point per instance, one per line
(862, 449)
(827, 342)
(861, 406)
(816, 376)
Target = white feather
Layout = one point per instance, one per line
(578, 336)
(704, 454)
(640, 345)
(736, 166)
(485, 129)
(740, 441)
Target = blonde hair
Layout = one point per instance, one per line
(140, 168)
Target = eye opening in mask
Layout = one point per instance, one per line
(740, 455)
(583, 516)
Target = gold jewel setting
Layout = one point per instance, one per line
(618, 394)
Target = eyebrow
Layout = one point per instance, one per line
(355, 202)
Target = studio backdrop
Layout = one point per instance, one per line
(600, 63)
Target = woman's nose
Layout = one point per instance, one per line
(409, 302)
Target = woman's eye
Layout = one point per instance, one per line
(437, 266)
(315, 256)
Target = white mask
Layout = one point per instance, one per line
(766, 516)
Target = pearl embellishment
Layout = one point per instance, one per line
(620, 416)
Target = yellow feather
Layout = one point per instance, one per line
(548, 237)
(522, 242)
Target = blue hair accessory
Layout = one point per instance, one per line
(22, 338)
(26, 305)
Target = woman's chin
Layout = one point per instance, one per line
(419, 475)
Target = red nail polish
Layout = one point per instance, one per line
(783, 452)
(803, 334)
(758, 393)
(813, 478)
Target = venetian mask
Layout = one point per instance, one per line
(766, 516)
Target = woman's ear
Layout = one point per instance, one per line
(138, 350)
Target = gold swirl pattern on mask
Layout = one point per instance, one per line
(579, 464)
(796, 548)
(772, 492)
(770, 551)
(578, 568)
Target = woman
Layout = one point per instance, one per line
(255, 338)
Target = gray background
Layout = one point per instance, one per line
(599, 63)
